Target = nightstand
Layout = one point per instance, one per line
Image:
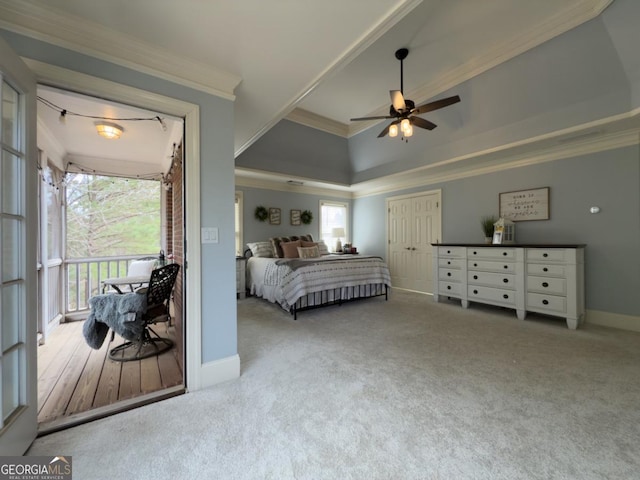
(241, 267)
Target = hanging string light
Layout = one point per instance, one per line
(64, 113)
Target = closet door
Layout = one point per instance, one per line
(413, 224)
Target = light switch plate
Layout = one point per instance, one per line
(209, 235)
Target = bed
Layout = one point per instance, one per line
(298, 284)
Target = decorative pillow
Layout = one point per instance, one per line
(306, 238)
(141, 268)
(277, 249)
(290, 249)
(308, 252)
(306, 243)
(322, 248)
(261, 249)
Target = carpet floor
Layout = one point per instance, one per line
(404, 389)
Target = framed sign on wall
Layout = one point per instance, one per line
(274, 216)
(524, 205)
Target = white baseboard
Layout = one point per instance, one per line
(613, 320)
(219, 371)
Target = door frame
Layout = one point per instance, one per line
(89, 85)
(405, 196)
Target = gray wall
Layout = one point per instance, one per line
(218, 308)
(295, 149)
(610, 180)
(256, 231)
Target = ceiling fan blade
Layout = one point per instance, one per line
(397, 100)
(429, 107)
(370, 118)
(386, 130)
(422, 123)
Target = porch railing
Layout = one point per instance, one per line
(84, 277)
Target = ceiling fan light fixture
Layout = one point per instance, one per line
(111, 131)
(393, 130)
(409, 131)
(405, 124)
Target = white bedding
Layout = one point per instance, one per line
(284, 281)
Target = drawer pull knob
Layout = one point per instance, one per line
(448, 251)
(448, 287)
(475, 264)
(506, 267)
(504, 253)
(545, 302)
(475, 277)
(545, 284)
(505, 296)
(448, 274)
(448, 263)
(475, 253)
(545, 255)
(545, 269)
(505, 280)
(475, 292)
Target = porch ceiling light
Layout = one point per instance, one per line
(111, 131)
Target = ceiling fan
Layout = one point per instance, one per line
(404, 111)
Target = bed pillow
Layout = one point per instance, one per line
(308, 252)
(261, 249)
(290, 249)
(306, 238)
(277, 249)
(322, 248)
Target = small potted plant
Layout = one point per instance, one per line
(487, 227)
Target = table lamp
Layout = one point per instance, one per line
(338, 233)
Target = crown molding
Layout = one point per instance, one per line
(572, 142)
(269, 181)
(89, 38)
(560, 23)
(313, 120)
(498, 159)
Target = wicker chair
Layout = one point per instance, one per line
(158, 297)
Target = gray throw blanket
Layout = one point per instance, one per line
(121, 313)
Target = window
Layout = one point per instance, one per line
(238, 215)
(333, 215)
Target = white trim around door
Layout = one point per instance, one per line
(86, 84)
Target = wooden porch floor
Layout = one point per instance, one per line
(74, 379)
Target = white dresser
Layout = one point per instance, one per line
(546, 279)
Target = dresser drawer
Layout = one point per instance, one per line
(545, 255)
(539, 302)
(450, 251)
(491, 266)
(552, 286)
(546, 269)
(492, 253)
(492, 279)
(451, 262)
(447, 288)
(449, 274)
(497, 295)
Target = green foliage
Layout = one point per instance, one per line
(109, 216)
(487, 224)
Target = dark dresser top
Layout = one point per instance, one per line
(521, 245)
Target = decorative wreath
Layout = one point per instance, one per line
(306, 217)
(261, 213)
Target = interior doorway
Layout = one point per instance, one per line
(77, 384)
